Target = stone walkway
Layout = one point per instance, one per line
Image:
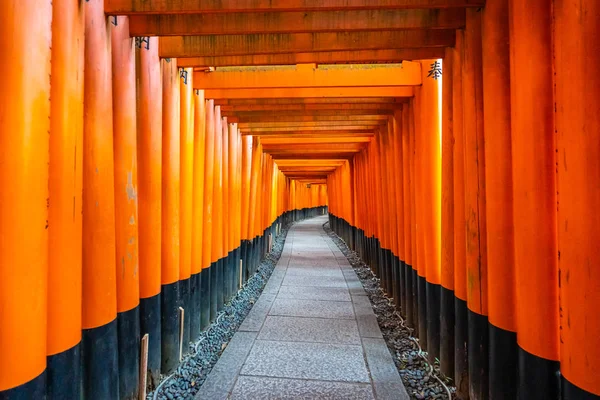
(312, 334)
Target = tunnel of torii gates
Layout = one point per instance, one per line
(153, 149)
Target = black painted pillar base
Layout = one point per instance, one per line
(194, 306)
(63, 375)
(184, 302)
(402, 287)
(433, 293)
(213, 290)
(169, 327)
(447, 332)
(408, 289)
(503, 363)
(205, 298)
(34, 389)
(128, 336)
(415, 301)
(220, 284)
(100, 362)
(572, 392)
(538, 377)
(150, 323)
(422, 309)
(478, 353)
(461, 344)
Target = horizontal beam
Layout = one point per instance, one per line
(231, 45)
(126, 7)
(294, 22)
(307, 100)
(308, 76)
(312, 109)
(322, 57)
(309, 124)
(387, 91)
(321, 112)
(306, 118)
(302, 161)
(343, 139)
(296, 129)
(317, 156)
(311, 133)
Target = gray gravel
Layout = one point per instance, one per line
(414, 371)
(204, 353)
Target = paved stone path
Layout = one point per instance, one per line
(312, 334)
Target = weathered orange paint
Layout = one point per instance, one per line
(149, 156)
(474, 156)
(232, 45)
(186, 171)
(309, 76)
(226, 162)
(294, 22)
(213, 6)
(321, 57)
(218, 210)
(171, 184)
(576, 38)
(209, 176)
(24, 112)
(447, 186)
(383, 91)
(246, 187)
(430, 138)
(65, 178)
(99, 248)
(498, 166)
(125, 165)
(534, 178)
(198, 232)
(460, 272)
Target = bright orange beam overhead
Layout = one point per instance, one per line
(231, 45)
(308, 76)
(322, 57)
(308, 118)
(294, 22)
(312, 133)
(124, 7)
(313, 109)
(381, 91)
(342, 139)
(308, 101)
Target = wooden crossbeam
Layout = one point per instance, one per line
(294, 22)
(231, 45)
(309, 76)
(307, 118)
(126, 7)
(306, 101)
(313, 109)
(381, 91)
(322, 57)
(308, 133)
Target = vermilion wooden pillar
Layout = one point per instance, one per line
(24, 112)
(534, 195)
(207, 250)
(196, 293)
(502, 327)
(149, 154)
(100, 347)
(171, 151)
(65, 208)
(475, 215)
(577, 112)
(126, 207)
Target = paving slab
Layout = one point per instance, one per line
(253, 388)
(320, 330)
(314, 293)
(323, 361)
(312, 308)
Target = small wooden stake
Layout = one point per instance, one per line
(181, 319)
(270, 242)
(144, 367)
(241, 266)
